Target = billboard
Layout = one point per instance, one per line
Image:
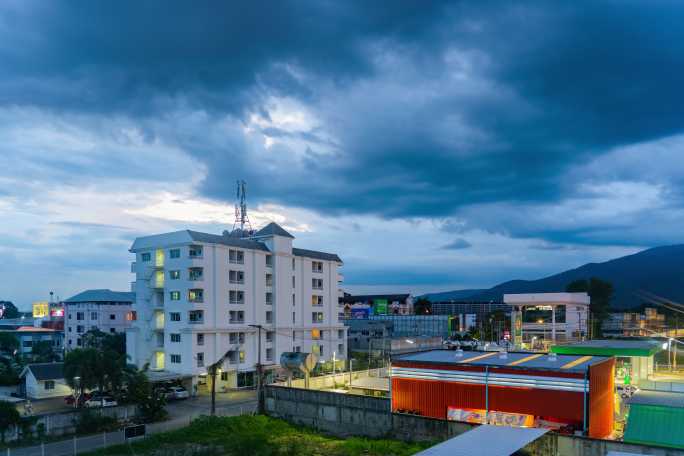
(40, 309)
(516, 316)
(492, 417)
(360, 313)
(380, 307)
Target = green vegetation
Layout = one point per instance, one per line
(601, 292)
(259, 436)
(9, 418)
(101, 364)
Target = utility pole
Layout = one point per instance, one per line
(260, 388)
(211, 370)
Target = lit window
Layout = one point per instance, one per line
(175, 295)
(174, 275)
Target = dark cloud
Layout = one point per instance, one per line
(458, 244)
(420, 109)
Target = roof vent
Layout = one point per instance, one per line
(553, 357)
(503, 355)
(458, 353)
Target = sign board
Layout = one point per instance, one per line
(380, 307)
(40, 309)
(360, 312)
(132, 432)
(516, 315)
(493, 417)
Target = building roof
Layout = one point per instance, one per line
(365, 298)
(533, 299)
(611, 347)
(522, 360)
(231, 241)
(655, 425)
(45, 371)
(662, 398)
(486, 440)
(102, 295)
(316, 255)
(28, 329)
(272, 229)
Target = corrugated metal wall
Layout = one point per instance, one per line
(601, 403)
(431, 398)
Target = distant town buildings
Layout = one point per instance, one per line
(362, 306)
(200, 297)
(634, 324)
(468, 315)
(104, 310)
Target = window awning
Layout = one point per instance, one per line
(486, 440)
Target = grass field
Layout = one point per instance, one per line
(259, 436)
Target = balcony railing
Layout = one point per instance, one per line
(236, 321)
(197, 321)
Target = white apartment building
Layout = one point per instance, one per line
(106, 310)
(198, 294)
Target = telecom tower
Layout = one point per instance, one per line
(241, 218)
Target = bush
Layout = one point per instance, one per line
(90, 422)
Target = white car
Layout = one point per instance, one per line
(101, 401)
(177, 392)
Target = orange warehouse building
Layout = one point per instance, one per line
(521, 389)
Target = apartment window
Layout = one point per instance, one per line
(269, 298)
(175, 359)
(175, 337)
(269, 261)
(293, 264)
(293, 300)
(200, 359)
(236, 256)
(317, 266)
(317, 284)
(79, 342)
(293, 318)
(320, 350)
(93, 315)
(196, 295)
(298, 349)
(80, 315)
(236, 297)
(175, 295)
(236, 277)
(315, 348)
(322, 334)
(174, 275)
(195, 274)
(29, 343)
(269, 336)
(269, 316)
(237, 316)
(49, 384)
(79, 328)
(132, 315)
(174, 316)
(317, 300)
(340, 333)
(196, 316)
(69, 328)
(315, 334)
(269, 280)
(340, 349)
(236, 338)
(293, 282)
(316, 317)
(195, 251)
(112, 330)
(147, 256)
(224, 376)
(112, 316)
(200, 339)
(174, 253)
(269, 354)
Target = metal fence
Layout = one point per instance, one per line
(78, 445)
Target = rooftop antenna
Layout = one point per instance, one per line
(241, 218)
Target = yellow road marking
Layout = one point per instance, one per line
(576, 362)
(526, 359)
(486, 355)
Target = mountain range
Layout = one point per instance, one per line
(659, 270)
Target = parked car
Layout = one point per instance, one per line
(69, 400)
(626, 391)
(177, 392)
(101, 401)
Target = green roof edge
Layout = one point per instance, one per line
(603, 351)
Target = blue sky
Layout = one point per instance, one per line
(431, 145)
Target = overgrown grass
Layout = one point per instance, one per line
(258, 436)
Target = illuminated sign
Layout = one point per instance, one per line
(56, 311)
(40, 309)
(380, 306)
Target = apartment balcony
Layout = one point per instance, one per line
(196, 274)
(196, 296)
(158, 321)
(340, 278)
(157, 280)
(134, 267)
(236, 321)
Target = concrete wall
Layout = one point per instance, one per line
(346, 415)
(336, 380)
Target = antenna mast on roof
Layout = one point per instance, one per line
(241, 218)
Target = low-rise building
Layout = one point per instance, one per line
(105, 310)
(634, 324)
(363, 306)
(43, 380)
(27, 336)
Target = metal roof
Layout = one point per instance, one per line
(273, 229)
(486, 440)
(655, 425)
(611, 347)
(366, 298)
(524, 360)
(662, 398)
(198, 236)
(46, 371)
(102, 295)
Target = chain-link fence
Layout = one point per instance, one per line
(78, 445)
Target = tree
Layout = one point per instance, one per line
(9, 417)
(81, 369)
(422, 307)
(43, 352)
(104, 341)
(139, 391)
(600, 292)
(8, 343)
(9, 310)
